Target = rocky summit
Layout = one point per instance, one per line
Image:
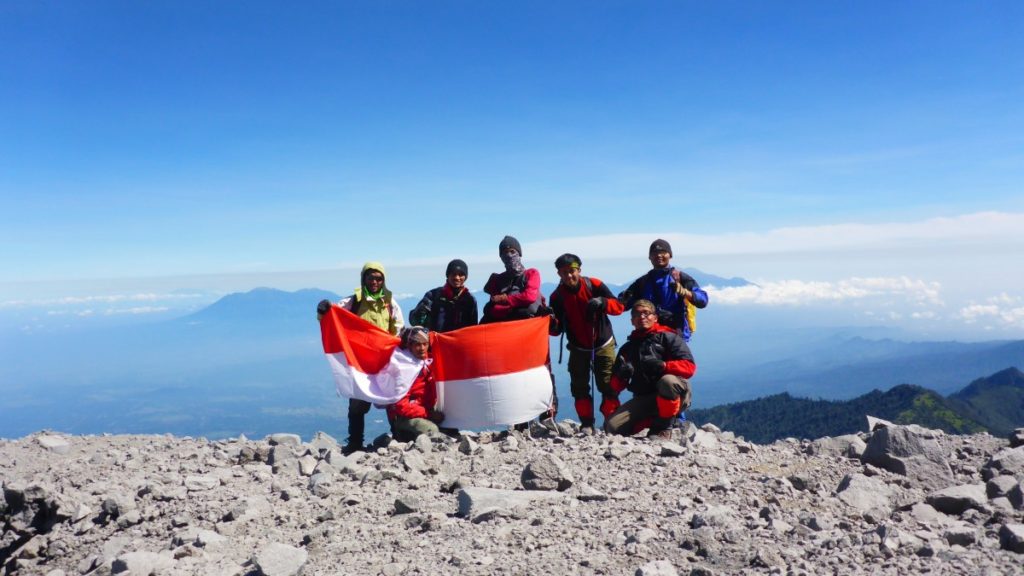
(898, 500)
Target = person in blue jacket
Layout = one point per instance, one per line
(671, 290)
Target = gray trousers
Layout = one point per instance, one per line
(642, 411)
(410, 428)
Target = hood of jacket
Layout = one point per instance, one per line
(640, 333)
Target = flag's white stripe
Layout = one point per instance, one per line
(385, 387)
(490, 401)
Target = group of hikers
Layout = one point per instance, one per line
(654, 364)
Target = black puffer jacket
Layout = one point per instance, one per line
(661, 343)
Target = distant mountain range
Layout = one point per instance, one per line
(252, 363)
(994, 404)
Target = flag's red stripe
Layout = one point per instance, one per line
(490, 349)
(367, 348)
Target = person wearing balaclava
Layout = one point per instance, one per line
(372, 302)
(514, 293)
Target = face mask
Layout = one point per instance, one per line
(513, 263)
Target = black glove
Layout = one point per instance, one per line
(323, 307)
(653, 368)
(595, 305)
(543, 310)
(624, 370)
(435, 416)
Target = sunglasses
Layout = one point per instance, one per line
(642, 313)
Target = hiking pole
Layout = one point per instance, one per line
(593, 363)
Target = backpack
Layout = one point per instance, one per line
(561, 321)
(688, 308)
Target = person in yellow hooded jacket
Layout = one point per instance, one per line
(373, 302)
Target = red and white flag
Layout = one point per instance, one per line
(488, 375)
(492, 374)
(366, 361)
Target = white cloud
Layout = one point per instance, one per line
(136, 310)
(88, 312)
(799, 292)
(1002, 309)
(100, 299)
(982, 227)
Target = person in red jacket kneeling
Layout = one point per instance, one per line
(654, 364)
(414, 414)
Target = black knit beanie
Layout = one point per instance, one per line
(456, 266)
(509, 242)
(660, 245)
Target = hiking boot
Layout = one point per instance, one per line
(352, 447)
(660, 435)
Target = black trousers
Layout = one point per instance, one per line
(357, 410)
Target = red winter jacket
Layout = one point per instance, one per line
(419, 401)
(571, 317)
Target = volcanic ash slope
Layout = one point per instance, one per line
(902, 500)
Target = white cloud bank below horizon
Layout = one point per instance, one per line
(1003, 309)
(798, 292)
(980, 228)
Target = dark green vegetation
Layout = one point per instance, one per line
(998, 401)
(995, 404)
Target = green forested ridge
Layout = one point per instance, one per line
(995, 403)
(998, 401)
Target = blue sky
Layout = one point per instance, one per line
(784, 142)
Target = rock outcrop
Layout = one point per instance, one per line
(900, 500)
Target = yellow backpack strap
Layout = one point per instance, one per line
(691, 315)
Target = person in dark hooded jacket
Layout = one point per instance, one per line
(448, 307)
(515, 293)
(655, 364)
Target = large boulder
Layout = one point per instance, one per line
(546, 473)
(957, 499)
(865, 493)
(142, 563)
(474, 501)
(34, 507)
(1009, 462)
(911, 451)
(848, 446)
(279, 559)
(1017, 438)
(1011, 537)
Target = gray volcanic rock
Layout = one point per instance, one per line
(53, 443)
(911, 451)
(142, 563)
(1009, 461)
(279, 559)
(865, 493)
(957, 499)
(849, 446)
(182, 506)
(472, 501)
(546, 473)
(1017, 438)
